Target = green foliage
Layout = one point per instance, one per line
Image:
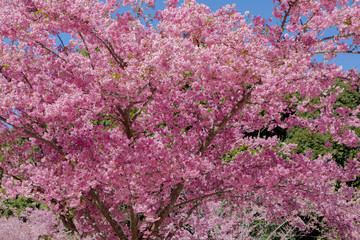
(314, 142)
(84, 52)
(349, 97)
(106, 120)
(13, 207)
(233, 153)
(307, 141)
(45, 237)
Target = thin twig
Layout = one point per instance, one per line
(201, 198)
(336, 52)
(337, 36)
(27, 80)
(62, 44)
(87, 49)
(273, 232)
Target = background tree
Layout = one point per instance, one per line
(124, 130)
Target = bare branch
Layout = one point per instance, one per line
(336, 52)
(273, 232)
(105, 212)
(337, 36)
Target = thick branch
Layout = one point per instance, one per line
(125, 114)
(168, 209)
(216, 128)
(105, 212)
(68, 223)
(134, 224)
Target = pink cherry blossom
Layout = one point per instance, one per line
(124, 129)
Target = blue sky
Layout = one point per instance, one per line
(264, 8)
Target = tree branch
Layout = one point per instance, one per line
(336, 52)
(182, 222)
(62, 44)
(168, 209)
(68, 223)
(37, 136)
(216, 128)
(134, 224)
(7, 78)
(109, 47)
(43, 46)
(287, 14)
(87, 49)
(125, 114)
(27, 80)
(338, 36)
(105, 212)
(87, 214)
(200, 198)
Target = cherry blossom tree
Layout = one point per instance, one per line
(135, 131)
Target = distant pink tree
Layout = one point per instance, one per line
(125, 131)
(32, 224)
